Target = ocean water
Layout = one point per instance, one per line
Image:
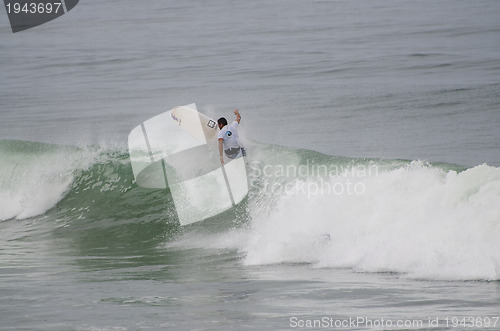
(374, 167)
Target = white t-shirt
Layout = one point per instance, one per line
(229, 134)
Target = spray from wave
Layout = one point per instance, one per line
(419, 220)
(34, 176)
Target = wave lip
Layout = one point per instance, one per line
(34, 177)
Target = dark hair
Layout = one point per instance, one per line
(222, 121)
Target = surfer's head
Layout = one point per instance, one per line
(221, 122)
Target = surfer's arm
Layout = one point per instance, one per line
(238, 116)
(221, 150)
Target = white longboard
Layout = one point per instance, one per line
(178, 149)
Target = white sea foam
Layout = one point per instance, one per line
(416, 220)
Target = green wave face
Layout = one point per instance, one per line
(96, 183)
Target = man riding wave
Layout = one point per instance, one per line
(228, 138)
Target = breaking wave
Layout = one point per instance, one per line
(420, 220)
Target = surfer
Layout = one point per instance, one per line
(228, 138)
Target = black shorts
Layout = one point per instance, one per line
(233, 152)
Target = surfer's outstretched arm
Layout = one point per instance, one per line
(221, 150)
(238, 116)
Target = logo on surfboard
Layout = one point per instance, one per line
(178, 120)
